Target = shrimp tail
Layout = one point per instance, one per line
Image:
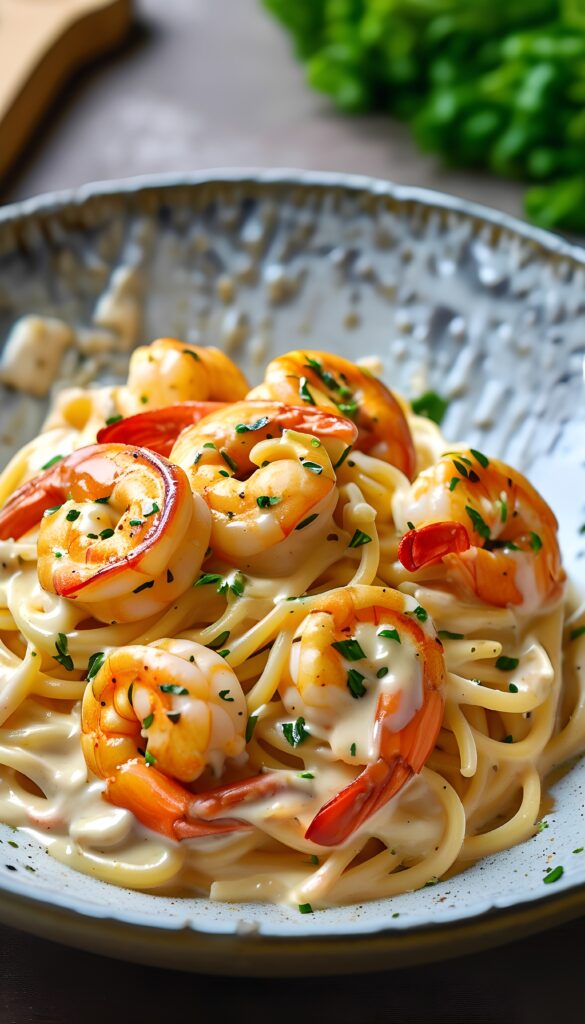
(403, 755)
(431, 543)
(167, 807)
(340, 817)
(157, 429)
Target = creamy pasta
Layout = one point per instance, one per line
(291, 647)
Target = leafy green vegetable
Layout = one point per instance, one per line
(484, 84)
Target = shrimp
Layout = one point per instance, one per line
(153, 719)
(266, 471)
(120, 530)
(492, 530)
(330, 382)
(169, 371)
(367, 674)
(157, 430)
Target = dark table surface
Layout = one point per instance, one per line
(201, 84)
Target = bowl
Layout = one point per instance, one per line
(451, 297)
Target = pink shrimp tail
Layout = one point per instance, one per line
(342, 815)
(167, 807)
(403, 754)
(157, 429)
(431, 543)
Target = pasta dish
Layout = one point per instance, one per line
(281, 644)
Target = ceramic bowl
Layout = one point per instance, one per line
(451, 297)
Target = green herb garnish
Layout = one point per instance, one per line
(72, 515)
(349, 649)
(62, 655)
(430, 405)
(505, 664)
(554, 875)
(479, 525)
(359, 539)
(295, 732)
(266, 501)
(244, 428)
(306, 522)
(355, 683)
(51, 462)
(94, 664)
(390, 634)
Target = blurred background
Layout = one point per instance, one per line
(483, 99)
(469, 98)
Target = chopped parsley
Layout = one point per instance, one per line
(512, 688)
(228, 460)
(535, 542)
(575, 633)
(304, 391)
(72, 515)
(62, 656)
(147, 722)
(237, 585)
(479, 524)
(390, 634)
(503, 510)
(154, 509)
(359, 539)
(306, 775)
(420, 613)
(136, 522)
(143, 586)
(113, 419)
(190, 352)
(382, 672)
(348, 408)
(219, 640)
(295, 732)
(460, 468)
(508, 739)
(102, 501)
(355, 683)
(353, 749)
(579, 849)
(207, 578)
(313, 467)
(266, 501)
(223, 695)
(453, 482)
(505, 664)
(349, 649)
(244, 428)
(305, 908)
(104, 534)
(342, 457)
(250, 726)
(554, 875)
(174, 688)
(324, 375)
(306, 522)
(479, 457)
(94, 664)
(150, 760)
(430, 405)
(51, 462)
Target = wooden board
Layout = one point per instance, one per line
(41, 43)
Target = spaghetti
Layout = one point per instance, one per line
(292, 661)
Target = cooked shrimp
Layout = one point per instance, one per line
(169, 371)
(367, 675)
(330, 382)
(178, 706)
(494, 533)
(159, 429)
(120, 530)
(266, 471)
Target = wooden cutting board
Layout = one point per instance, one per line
(41, 43)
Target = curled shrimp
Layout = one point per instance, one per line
(331, 382)
(169, 372)
(153, 719)
(367, 675)
(158, 429)
(120, 530)
(267, 473)
(492, 530)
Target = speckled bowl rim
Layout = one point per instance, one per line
(63, 918)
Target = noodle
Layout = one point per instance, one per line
(479, 792)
